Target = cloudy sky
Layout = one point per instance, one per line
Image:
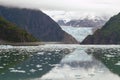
(82, 6)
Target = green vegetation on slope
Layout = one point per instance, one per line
(11, 33)
(109, 34)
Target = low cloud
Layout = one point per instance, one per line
(96, 6)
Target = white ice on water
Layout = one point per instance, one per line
(66, 72)
(5, 46)
(118, 63)
(53, 47)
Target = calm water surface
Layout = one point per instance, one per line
(59, 62)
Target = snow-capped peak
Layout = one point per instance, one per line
(71, 15)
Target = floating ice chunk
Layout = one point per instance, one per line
(38, 66)
(18, 71)
(108, 55)
(5, 46)
(40, 69)
(40, 53)
(118, 63)
(1, 67)
(11, 68)
(32, 70)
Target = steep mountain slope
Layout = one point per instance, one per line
(37, 23)
(11, 33)
(108, 34)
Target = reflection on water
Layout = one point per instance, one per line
(17, 64)
(59, 63)
(110, 57)
(80, 66)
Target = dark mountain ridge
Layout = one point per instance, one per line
(37, 23)
(108, 34)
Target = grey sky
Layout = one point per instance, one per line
(97, 6)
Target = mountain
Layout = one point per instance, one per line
(86, 22)
(37, 23)
(108, 34)
(9, 32)
(78, 19)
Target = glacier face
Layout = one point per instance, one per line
(79, 33)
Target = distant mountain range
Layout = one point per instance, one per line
(108, 34)
(86, 22)
(78, 19)
(35, 22)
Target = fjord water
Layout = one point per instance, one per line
(60, 62)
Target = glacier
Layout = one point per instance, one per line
(79, 33)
